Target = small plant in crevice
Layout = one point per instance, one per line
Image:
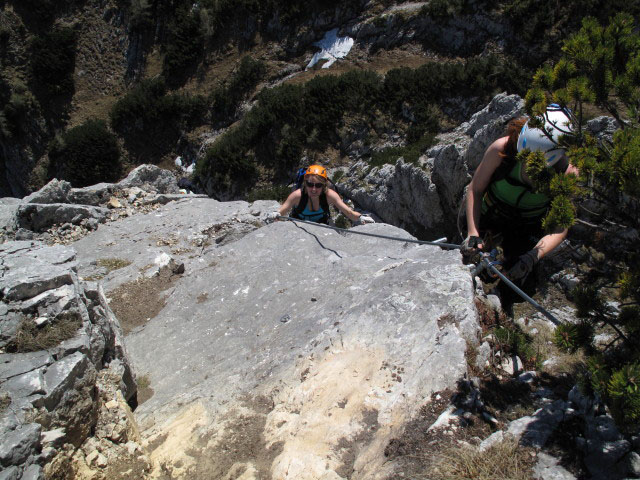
(112, 264)
(513, 341)
(31, 337)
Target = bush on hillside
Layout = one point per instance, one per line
(151, 120)
(52, 61)
(290, 119)
(225, 99)
(85, 155)
(600, 66)
(443, 9)
(184, 45)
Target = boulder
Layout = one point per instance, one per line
(17, 445)
(93, 195)
(150, 177)
(31, 269)
(40, 285)
(39, 217)
(426, 199)
(276, 332)
(56, 191)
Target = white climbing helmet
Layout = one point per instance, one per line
(534, 139)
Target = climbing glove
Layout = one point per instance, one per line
(470, 244)
(366, 219)
(523, 267)
(272, 216)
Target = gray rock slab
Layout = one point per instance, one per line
(60, 376)
(8, 220)
(56, 191)
(17, 445)
(534, 430)
(163, 181)
(182, 229)
(38, 217)
(11, 473)
(53, 437)
(14, 364)
(169, 197)
(27, 384)
(547, 468)
(633, 464)
(93, 195)
(30, 268)
(33, 472)
(372, 324)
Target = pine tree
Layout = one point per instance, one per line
(599, 68)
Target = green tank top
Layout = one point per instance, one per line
(511, 198)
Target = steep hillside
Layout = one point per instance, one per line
(65, 62)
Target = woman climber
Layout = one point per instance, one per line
(501, 200)
(311, 201)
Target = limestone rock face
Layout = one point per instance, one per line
(301, 349)
(56, 333)
(426, 198)
(163, 181)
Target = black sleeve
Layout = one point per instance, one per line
(562, 165)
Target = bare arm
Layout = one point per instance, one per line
(549, 242)
(292, 200)
(479, 183)
(334, 199)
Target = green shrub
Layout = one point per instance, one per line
(443, 9)
(277, 192)
(410, 153)
(600, 66)
(184, 45)
(513, 341)
(86, 155)
(225, 99)
(16, 112)
(151, 120)
(52, 61)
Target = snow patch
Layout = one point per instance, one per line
(332, 48)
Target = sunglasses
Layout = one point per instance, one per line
(316, 185)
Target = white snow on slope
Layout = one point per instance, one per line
(332, 48)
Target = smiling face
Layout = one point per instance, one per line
(314, 185)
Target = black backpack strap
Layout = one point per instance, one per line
(324, 203)
(298, 209)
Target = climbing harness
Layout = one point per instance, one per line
(488, 261)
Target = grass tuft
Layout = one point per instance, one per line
(112, 264)
(31, 338)
(504, 460)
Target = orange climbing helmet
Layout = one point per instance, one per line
(316, 170)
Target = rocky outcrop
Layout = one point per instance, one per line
(247, 356)
(425, 198)
(56, 334)
(58, 212)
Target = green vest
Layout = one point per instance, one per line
(512, 199)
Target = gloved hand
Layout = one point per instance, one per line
(523, 267)
(470, 245)
(366, 219)
(272, 216)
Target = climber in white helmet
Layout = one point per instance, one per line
(501, 200)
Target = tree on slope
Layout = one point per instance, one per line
(599, 68)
